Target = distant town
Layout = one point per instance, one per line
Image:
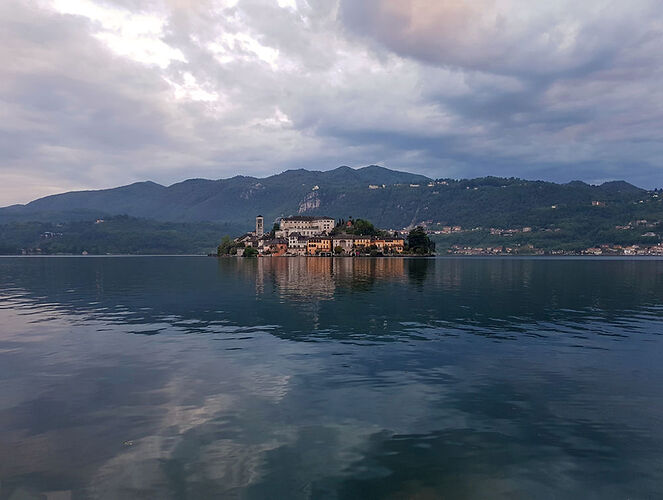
(605, 250)
(641, 227)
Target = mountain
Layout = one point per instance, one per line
(147, 216)
(387, 197)
(620, 187)
(235, 200)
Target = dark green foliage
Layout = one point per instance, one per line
(358, 227)
(486, 202)
(250, 252)
(235, 200)
(419, 243)
(362, 227)
(116, 235)
(227, 247)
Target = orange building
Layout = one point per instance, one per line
(276, 247)
(319, 245)
(362, 241)
(393, 244)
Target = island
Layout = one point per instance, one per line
(322, 236)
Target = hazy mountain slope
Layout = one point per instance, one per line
(405, 199)
(141, 196)
(235, 199)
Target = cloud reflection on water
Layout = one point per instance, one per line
(490, 387)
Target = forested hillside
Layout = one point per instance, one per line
(560, 215)
(115, 235)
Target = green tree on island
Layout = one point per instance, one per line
(358, 227)
(250, 252)
(419, 243)
(228, 247)
(225, 246)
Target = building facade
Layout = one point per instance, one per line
(395, 245)
(297, 244)
(306, 235)
(319, 245)
(346, 242)
(306, 225)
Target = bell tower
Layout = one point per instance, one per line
(260, 226)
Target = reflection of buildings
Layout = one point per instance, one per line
(317, 278)
(370, 268)
(303, 279)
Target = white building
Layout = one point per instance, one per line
(297, 244)
(305, 226)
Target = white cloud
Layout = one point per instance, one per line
(137, 36)
(229, 47)
(190, 89)
(288, 4)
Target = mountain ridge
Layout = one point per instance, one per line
(191, 216)
(195, 199)
(390, 198)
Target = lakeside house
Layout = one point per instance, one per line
(309, 235)
(319, 245)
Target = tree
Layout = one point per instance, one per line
(225, 247)
(338, 250)
(250, 252)
(362, 227)
(419, 242)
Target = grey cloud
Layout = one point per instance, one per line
(561, 92)
(575, 104)
(505, 37)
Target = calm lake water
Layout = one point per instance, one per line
(192, 377)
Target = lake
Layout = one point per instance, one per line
(293, 378)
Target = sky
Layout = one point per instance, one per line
(97, 94)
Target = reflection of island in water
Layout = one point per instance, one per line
(387, 296)
(302, 297)
(461, 378)
(317, 278)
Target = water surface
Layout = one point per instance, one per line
(192, 377)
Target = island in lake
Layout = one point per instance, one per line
(305, 235)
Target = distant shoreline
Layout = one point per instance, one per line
(454, 256)
(451, 256)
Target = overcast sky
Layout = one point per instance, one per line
(97, 94)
